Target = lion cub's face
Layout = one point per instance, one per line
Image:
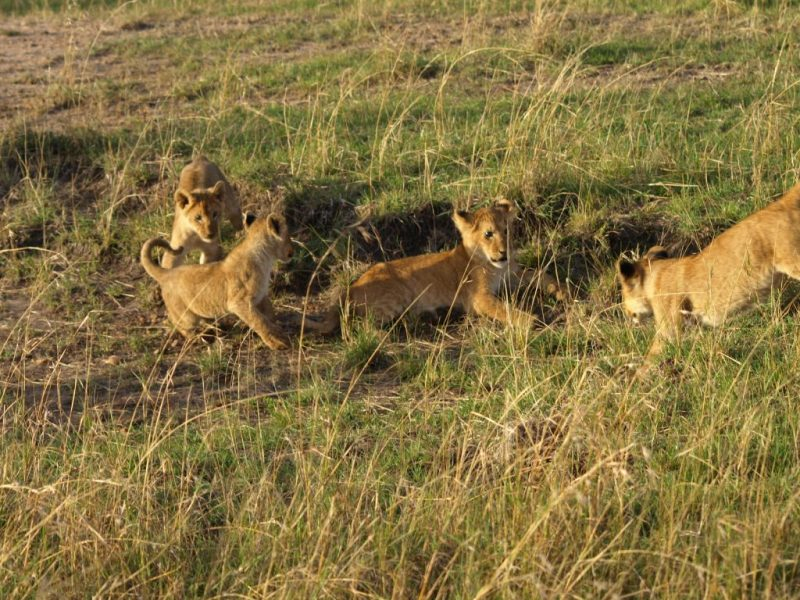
(632, 276)
(201, 210)
(485, 232)
(273, 232)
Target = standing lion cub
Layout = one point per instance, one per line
(239, 284)
(737, 269)
(465, 278)
(203, 197)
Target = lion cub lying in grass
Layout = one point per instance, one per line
(465, 278)
(202, 198)
(737, 269)
(238, 284)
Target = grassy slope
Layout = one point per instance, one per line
(450, 461)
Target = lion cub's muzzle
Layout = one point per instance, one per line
(501, 260)
(638, 317)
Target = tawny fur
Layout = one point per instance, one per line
(465, 278)
(736, 270)
(201, 173)
(203, 197)
(239, 284)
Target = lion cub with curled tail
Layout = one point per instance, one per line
(466, 278)
(736, 270)
(203, 197)
(239, 284)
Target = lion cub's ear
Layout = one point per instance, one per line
(182, 198)
(506, 206)
(463, 220)
(627, 269)
(276, 225)
(218, 189)
(656, 253)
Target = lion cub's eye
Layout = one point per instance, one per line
(488, 234)
(198, 218)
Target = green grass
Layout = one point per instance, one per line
(445, 460)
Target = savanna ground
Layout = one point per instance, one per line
(428, 460)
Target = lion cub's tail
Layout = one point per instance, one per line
(328, 323)
(153, 269)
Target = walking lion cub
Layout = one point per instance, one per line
(203, 197)
(465, 278)
(239, 284)
(737, 269)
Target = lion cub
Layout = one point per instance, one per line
(465, 278)
(737, 269)
(238, 284)
(202, 198)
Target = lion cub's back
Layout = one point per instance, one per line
(429, 281)
(738, 268)
(200, 173)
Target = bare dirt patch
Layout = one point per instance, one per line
(652, 75)
(36, 54)
(58, 71)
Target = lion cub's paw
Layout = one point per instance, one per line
(279, 343)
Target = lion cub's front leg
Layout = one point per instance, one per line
(259, 322)
(669, 325)
(267, 309)
(488, 305)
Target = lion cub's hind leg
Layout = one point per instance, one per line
(790, 267)
(185, 321)
(378, 300)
